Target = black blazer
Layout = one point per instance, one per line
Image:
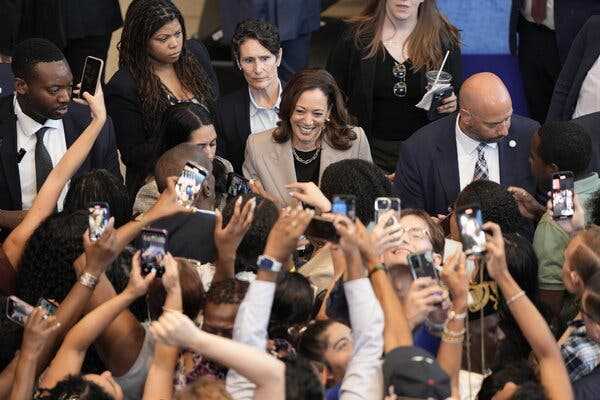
(591, 124)
(583, 54)
(7, 80)
(356, 76)
(135, 143)
(232, 118)
(427, 175)
(569, 17)
(102, 156)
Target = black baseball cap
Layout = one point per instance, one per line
(415, 374)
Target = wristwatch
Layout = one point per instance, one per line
(269, 264)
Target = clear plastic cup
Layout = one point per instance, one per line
(445, 77)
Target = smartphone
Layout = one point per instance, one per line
(189, 183)
(17, 310)
(92, 71)
(383, 205)
(562, 194)
(237, 185)
(471, 235)
(98, 219)
(421, 265)
(47, 306)
(153, 251)
(344, 204)
(438, 96)
(321, 228)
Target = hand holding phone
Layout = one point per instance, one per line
(153, 251)
(437, 100)
(323, 229)
(17, 310)
(237, 185)
(563, 188)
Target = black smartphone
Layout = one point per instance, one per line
(385, 204)
(438, 96)
(344, 204)
(153, 251)
(471, 235)
(237, 185)
(189, 183)
(98, 219)
(17, 310)
(562, 194)
(321, 228)
(92, 71)
(421, 265)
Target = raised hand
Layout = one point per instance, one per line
(174, 329)
(309, 193)
(167, 204)
(101, 253)
(354, 236)
(228, 238)
(454, 275)
(38, 329)
(495, 254)
(138, 284)
(528, 205)
(422, 298)
(283, 238)
(258, 189)
(95, 102)
(385, 236)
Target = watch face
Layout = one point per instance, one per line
(269, 264)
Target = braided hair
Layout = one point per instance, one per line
(142, 20)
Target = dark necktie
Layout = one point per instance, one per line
(43, 162)
(481, 167)
(538, 10)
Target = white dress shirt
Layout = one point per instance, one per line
(466, 154)
(262, 118)
(589, 94)
(548, 22)
(55, 143)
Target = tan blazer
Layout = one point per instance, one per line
(273, 163)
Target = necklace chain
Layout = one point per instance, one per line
(306, 162)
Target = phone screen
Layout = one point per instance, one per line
(321, 228)
(90, 76)
(17, 310)
(237, 185)
(98, 219)
(344, 204)
(189, 184)
(153, 251)
(421, 265)
(385, 204)
(562, 194)
(471, 234)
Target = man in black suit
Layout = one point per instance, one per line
(484, 140)
(575, 93)
(254, 108)
(40, 123)
(7, 80)
(546, 29)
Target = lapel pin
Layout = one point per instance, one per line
(512, 143)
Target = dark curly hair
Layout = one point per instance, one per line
(520, 373)
(99, 185)
(497, 205)
(360, 178)
(567, 145)
(142, 20)
(255, 240)
(47, 265)
(313, 342)
(338, 130)
(292, 307)
(229, 291)
(75, 387)
(301, 381)
(263, 32)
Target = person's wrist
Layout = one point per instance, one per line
(459, 305)
(94, 268)
(30, 355)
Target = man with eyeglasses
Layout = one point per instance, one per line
(483, 140)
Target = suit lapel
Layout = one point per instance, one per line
(447, 162)
(242, 114)
(8, 152)
(506, 158)
(280, 163)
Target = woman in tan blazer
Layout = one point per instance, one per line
(314, 132)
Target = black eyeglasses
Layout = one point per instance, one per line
(399, 72)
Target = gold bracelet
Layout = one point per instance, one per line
(515, 297)
(448, 332)
(453, 340)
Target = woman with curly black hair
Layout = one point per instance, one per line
(157, 68)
